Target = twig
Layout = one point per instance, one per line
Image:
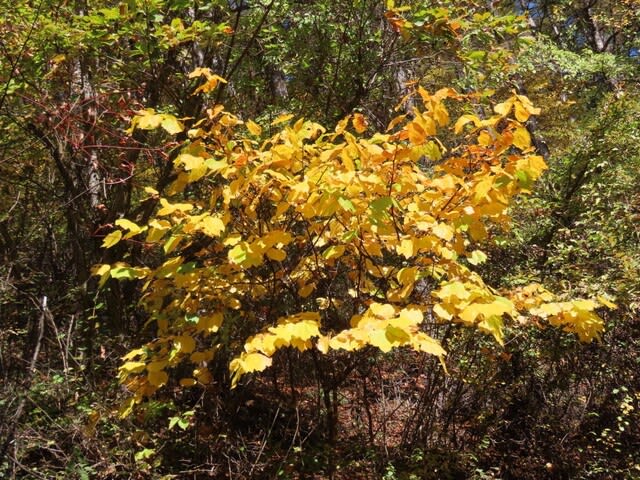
(264, 442)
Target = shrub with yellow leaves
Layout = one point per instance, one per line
(329, 240)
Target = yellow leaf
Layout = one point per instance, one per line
(406, 248)
(169, 208)
(185, 343)
(157, 230)
(396, 336)
(169, 267)
(442, 312)
(452, 290)
(382, 310)
(101, 271)
(203, 375)
(521, 138)
(238, 253)
(210, 323)
(440, 114)
(443, 231)
(504, 108)
(250, 362)
(424, 343)
(493, 325)
(253, 128)
(210, 84)
(146, 120)
(411, 315)
(111, 239)
(171, 124)
(201, 71)
(188, 161)
(126, 407)
(407, 275)
(486, 310)
(132, 367)
(360, 123)
(276, 237)
(484, 139)
(211, 226)
(463, 120)
(285, 117)
(607, 303)
(128, 225)
(276, 254)
(157, 365)
(256, 362)
(204, 356)
(157, 379)
(547, 309)
(477, 231)
(334, 251)
(171, 244)
(138, 352)
(417, 135)
(322, 344)
(187, 382)
(534, 165)
(378, 338)
(477, 257)
(521, 113)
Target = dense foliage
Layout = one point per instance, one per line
(300, 288)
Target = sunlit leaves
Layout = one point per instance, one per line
(148, 119)
(576, 316)
(310, 227)
(111, 239)
(212, 80)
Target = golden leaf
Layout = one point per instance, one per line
(382, 310)
(211, 226)
(111, 239)
(322, 344)
(424, 343)
(133, 367)
(406, 248)
(185, 343)
(285, 117)
(188, 161)
(276, 254)
(463, 120)
(158, 378)
(521, 138)
(360, 122)
(253, 128)
(255, 362)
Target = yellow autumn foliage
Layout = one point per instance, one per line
(332, 240)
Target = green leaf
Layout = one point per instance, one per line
(524, 179)
(346, 204)
(144, 454)
(127, 273)
(381, 204)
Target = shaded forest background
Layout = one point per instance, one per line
(72, 76)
